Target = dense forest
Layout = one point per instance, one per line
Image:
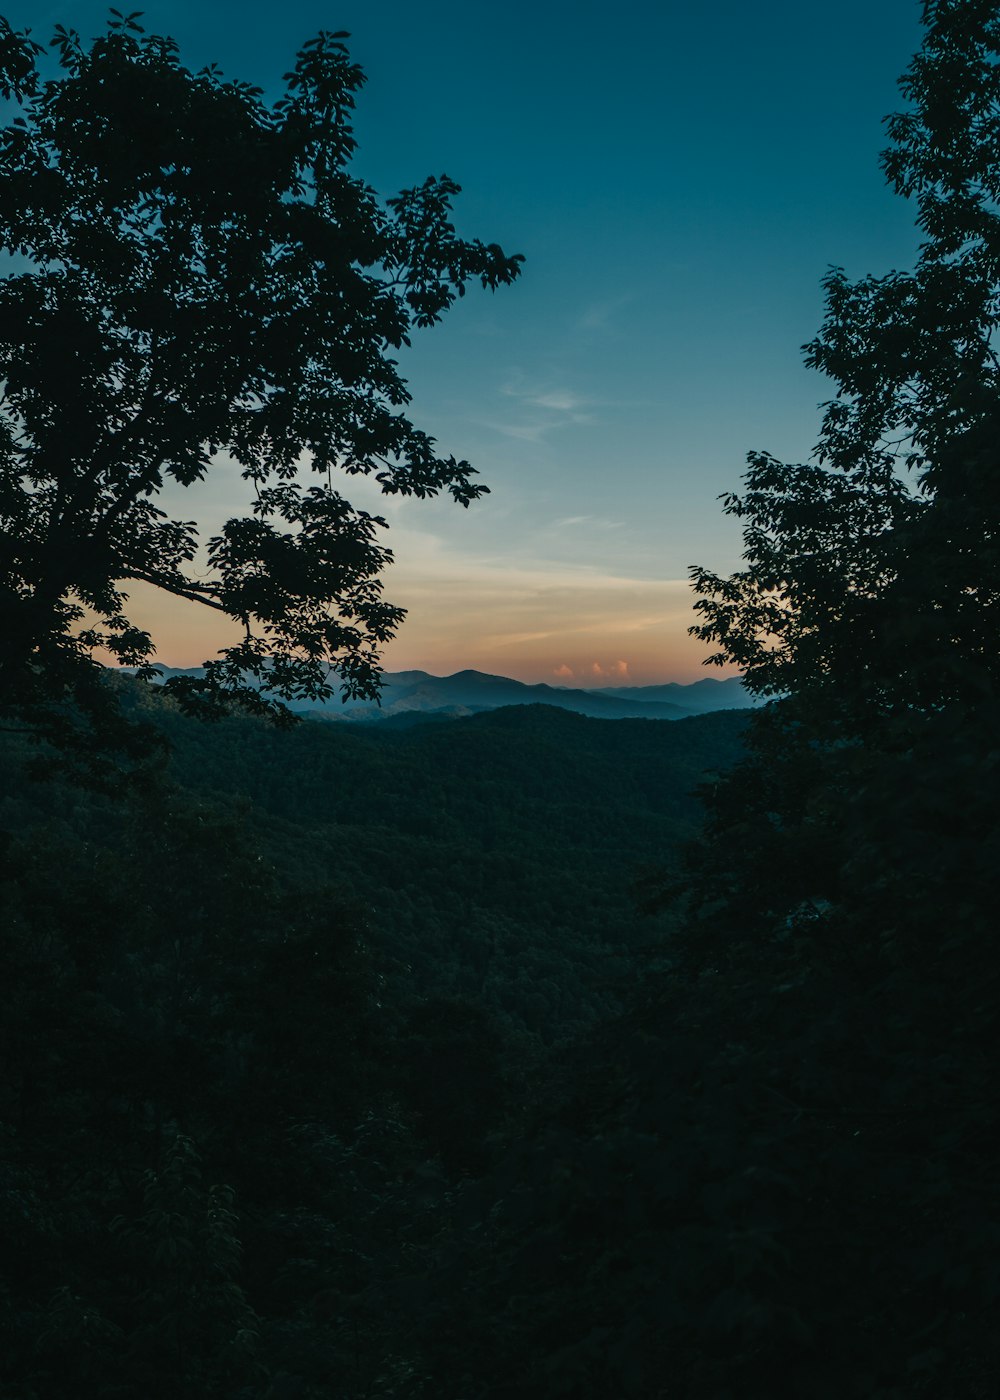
(518, 1055)
(282, 1004)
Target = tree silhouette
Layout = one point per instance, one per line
(843, 893)
(194, 274)
(872, 574)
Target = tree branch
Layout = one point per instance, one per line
(192, 591)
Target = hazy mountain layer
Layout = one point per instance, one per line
(417, 693)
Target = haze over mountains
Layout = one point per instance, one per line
(410, 696)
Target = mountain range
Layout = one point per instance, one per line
(415, 696)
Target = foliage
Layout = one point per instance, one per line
(264, 1025)
(873, 571)
(195, 277)
(519, 892)
(188, 1108)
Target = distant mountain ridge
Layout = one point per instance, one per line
(418, 694)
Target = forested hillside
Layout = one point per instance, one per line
(498, 855)
(277, 1002)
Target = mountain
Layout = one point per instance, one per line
(473, 691)
(409, 694)
(700, 697)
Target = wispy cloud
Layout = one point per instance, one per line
(551, 406)
(599, 314)
(559, 401)
(596, 521)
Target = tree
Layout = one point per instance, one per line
(843, 896)
(194, 273)
(872, 575)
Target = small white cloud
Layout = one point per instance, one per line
(617, 671)
(564, 672)
(559, 402)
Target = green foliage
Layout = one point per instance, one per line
(174, 1020)
(266, 1027)
(498, 854)
(195, 275)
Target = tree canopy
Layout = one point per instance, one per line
(872, 571)
(194, 274)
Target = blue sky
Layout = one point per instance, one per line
(678, 178)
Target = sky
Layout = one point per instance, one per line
(678, 178)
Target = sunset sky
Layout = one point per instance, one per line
(678, 178)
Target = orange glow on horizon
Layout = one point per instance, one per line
(441, 638)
